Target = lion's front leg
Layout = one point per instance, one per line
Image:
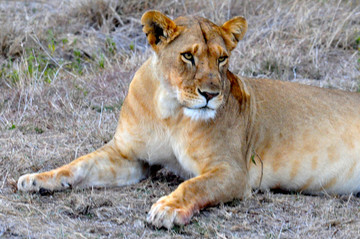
(220, 183)
(106, 166)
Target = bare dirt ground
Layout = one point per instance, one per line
(64, 71)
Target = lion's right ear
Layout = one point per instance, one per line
(158, 28)
(235, 30)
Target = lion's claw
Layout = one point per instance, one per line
(164, 214)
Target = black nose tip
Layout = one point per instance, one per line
(208, 96)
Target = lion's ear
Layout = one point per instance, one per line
(158, 28)
(235, 30)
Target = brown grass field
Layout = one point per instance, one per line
(64, 71)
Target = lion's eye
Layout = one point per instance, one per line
(221, 59)
(189, 57)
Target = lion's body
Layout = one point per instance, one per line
(186, 111)
(307, 137)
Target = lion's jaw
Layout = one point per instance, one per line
(200, 108)
(200, 114)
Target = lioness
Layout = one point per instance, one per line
(186, 111)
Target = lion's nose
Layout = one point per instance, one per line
(208, 95)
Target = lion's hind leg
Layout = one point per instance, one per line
(106, 166)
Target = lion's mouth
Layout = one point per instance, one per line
(202, 113)
(205, 107)
(198, 108)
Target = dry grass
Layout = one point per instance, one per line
(64, 71)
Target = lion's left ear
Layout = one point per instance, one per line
(235, 30)
(158, 28)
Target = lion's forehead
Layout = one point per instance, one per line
(202, 32)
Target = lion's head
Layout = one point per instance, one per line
(192, 56)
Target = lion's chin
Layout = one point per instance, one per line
(200, 114)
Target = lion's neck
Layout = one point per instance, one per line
(166, 104)
(165, 101)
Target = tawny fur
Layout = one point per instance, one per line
(186, 111)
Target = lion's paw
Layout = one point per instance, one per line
(28, 183)
(166, 213)
(40, 183)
